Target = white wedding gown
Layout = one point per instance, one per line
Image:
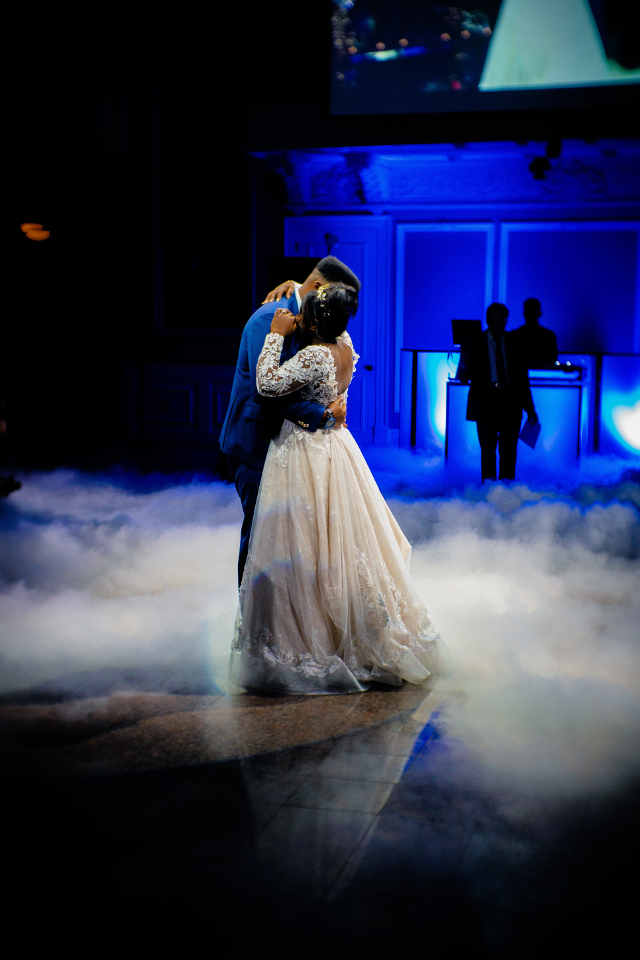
(325, 603)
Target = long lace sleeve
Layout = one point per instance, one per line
(345, 338)
(275, 380)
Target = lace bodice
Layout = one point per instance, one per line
(312, 370)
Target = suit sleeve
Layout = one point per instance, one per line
(527, 397)
(305, 413)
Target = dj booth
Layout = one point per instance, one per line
(433, 406)
(586, 403)
(559, 397)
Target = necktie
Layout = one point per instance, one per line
(500, 364)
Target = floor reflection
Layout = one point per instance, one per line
(316, 824)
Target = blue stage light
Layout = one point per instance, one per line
(620, 405)
(425, 427)
(627, 422)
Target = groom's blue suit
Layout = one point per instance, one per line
(251, 420)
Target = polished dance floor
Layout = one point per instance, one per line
(302, 825)
(147, 808)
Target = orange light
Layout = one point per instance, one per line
(403, 42)
(380, 45)
(25, 227)
(486, 31)
(465, 34)
(352, 49)
(445, 36)
(38, 234)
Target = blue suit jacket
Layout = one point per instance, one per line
(251, 420)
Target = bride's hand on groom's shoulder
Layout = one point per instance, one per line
(283, 322)
(282, 290)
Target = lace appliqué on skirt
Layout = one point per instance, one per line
(326, 604)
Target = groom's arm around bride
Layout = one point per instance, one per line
(252, 421)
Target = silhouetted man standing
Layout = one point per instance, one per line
(497, 371)
(538, 344)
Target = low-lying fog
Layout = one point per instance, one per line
(535, 591)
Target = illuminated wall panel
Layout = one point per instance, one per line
(423, 397)
(444, 270)
(585, 275)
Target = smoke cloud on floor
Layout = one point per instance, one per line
(107, 583)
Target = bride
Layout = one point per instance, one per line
(325, 603)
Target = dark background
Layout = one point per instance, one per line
(143, 132)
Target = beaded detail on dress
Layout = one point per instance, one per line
(312, 370)
(326, 604)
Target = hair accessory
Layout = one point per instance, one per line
(323, 306)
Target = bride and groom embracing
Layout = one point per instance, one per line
(325, 599)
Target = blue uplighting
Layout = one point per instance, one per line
(437, 232)
(620, 405)
(627, 421)
(425, 739)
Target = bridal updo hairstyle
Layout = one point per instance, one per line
(326, 311)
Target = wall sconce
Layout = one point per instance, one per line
(35, 231)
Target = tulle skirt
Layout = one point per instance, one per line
(326, 603)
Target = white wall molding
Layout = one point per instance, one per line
(403, 230)
(376, 177)
(508, 229)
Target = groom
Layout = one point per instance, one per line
(251, 420)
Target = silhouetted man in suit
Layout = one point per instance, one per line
(537, 343)
(497, 371)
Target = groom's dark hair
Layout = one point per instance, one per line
(335, 271)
